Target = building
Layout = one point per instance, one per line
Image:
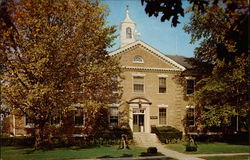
(152, 94)
(151, 91)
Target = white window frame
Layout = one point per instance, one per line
(114, 106)
(138, 75)
(128, 33)
(139, 57)
(165, 116)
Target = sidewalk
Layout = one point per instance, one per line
(221, 154)
(151, 140)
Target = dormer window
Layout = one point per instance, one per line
(128, 33)
(138, 59)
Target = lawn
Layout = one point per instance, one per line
(227, 158)
(14, 153)
(212, 147)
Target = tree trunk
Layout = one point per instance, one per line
(39, 136)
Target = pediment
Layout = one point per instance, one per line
(152, 58)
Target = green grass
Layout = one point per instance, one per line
(214, 147)
(227, 158)
(14, 153)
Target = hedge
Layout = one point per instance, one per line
(167, 134)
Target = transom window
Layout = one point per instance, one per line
(138, 59)
(113, 116)
(162, 85)
(138, 84)
(128, 33)
(190, 86)
(162, 116)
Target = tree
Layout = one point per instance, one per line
(222, 93)
(220, 61)
(54, 53)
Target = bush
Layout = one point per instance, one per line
(167, 134)
(17, 141)
(152, 150)
(191, 148)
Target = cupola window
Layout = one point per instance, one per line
(128, 33)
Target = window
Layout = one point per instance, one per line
(190, 86)
(128, 33)
(29, 121)
(138, 59)
(190, 116)
(79, 118)
(138, 84)
(162, 85)
(162, 116)
(113, 116)
(55, 120)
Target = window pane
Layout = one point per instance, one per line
(28, 121)
(190, 116)
(162, 85)
(138, 84)
(162, 116)
(113, 117)
(190, 86)
(55, 120)
(128, 33)
(79, 118)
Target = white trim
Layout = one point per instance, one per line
(150, 68)
(138, 75)
(151, 50)
(190, 78)
(114, 105)
(162, 76)
(187, 107)
(162, 106)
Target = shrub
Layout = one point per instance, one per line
(167, 134)
(152, 150)
(191, 148)
(17, 141)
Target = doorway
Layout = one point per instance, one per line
(138, 123)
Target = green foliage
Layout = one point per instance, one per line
(17, 141)
(152, 150)
(221, 90)
(167, 134)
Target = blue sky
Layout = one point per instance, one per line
(160, 35)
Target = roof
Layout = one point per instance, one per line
(180, 60)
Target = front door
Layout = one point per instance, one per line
(138, 123)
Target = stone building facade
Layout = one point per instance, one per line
(151, 91)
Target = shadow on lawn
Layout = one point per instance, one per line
(122, 156)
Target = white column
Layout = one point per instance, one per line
(14, 125)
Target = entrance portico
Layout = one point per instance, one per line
(139, 112)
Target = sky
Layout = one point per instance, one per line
(160, 35)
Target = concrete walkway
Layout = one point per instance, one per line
(151, 140)
(221, 154)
